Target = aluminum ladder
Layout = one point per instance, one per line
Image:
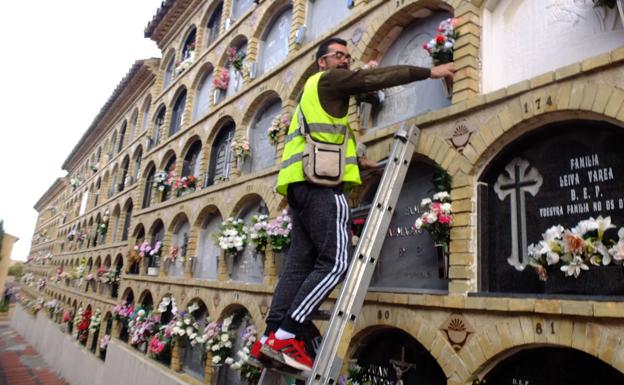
(331, 356)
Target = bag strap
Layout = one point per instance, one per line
(304, 129)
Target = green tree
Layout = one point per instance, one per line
(16, 270)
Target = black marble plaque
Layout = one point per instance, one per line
(560, 174)
(408, 260)
(553, 366)
(394, 357)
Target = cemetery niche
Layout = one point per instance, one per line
(409, 260)
(552, 366)
(391, 357)
(248, 264)
(562, 174)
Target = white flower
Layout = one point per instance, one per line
(418, 224)
(215, 347)
(618, 250)
(603, 224)
(189, 331)
(425, 202)
(553, 233)
(236, 366)
(575, 267)
(229, 361)
(604, 252)
(216, 359)
(227, 321)
(228, 344)
(225, 337)
(175, 330)
(431, 217)
(181, 332)
(179, 324)
(441, 196)
(446, 207)
(187, 321)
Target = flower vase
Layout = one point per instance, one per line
(598, 280)
(447, 87)
(443, 260)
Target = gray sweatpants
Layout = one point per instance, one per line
(319, 254)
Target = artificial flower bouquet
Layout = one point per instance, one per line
(436, 218)
(146, 249)
(123, 311)
(160, 180)
(441, 47)
(258, 231)
(240, 147)
(279, 124)
(279, 231)
(249, 373)
(104, 342)
(218, 339)
(221, 79)
(236, 58)
(232, 236)
(575, 250)
(96, 320)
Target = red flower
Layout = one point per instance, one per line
(444, 219)
(440, 39)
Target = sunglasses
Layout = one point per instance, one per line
(339, 55)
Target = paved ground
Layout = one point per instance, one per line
(20, 364)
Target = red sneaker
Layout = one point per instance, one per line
(256, 357)
(290, 352)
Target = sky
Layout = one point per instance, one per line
(61, 61)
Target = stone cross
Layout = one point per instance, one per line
(519, 177)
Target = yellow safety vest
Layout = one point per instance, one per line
(323, 128)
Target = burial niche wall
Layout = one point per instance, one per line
(411, 99)
(560, 174)
(409, 260)
(392, 356)
(553, 366)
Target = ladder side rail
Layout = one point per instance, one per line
(351, 298)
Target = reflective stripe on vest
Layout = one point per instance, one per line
(323, 128)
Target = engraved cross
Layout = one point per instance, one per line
(519, 177)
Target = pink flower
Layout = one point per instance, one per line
(446, 219)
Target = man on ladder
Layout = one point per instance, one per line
(321, 250)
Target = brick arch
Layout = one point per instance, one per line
(216, 128)
(255, 191)
(382, 33)
(179, 217)
(257, 104)
(166, 157)
(165, 60)
(246, 303)
(200, 73)
(235, 42)
(189, 142)
(268, 15)
(479, 361)
(422, 330)
(208, 13)
(297, 88)
(153, 226)
(210, 209)
(510, 123)
(181, 87)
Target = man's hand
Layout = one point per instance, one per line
(364, 163)
(443, 71)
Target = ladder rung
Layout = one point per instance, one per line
(321, 315)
